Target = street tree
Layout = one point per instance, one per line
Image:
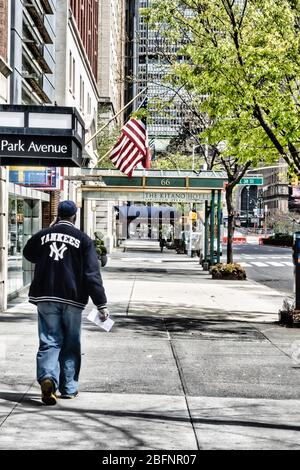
(242, 59)
(105, 142)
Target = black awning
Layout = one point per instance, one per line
(41, 136)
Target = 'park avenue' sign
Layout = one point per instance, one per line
(30, 146)
(47, 136)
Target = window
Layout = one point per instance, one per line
(83, 100)
(81, 94)
(70, 71)
(89, 105)
(74, 75)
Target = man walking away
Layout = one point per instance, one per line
(66, 274)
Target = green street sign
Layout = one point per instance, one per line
(252, 181)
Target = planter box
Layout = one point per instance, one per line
(230, 277)
(229, 272)
(289, 318)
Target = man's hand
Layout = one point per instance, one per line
(54, 221)
(103, 314)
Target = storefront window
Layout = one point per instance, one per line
(15, 243)
(15, 226)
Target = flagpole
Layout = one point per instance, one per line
(116, 115)
(105, 155)
(109, 151)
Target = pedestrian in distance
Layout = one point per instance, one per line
(161, 240)
(66, 274)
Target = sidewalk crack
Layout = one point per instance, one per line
(15, 406)
(276, 346)
(130, 297)
(182, 382)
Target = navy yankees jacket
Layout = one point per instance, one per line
(66, 267)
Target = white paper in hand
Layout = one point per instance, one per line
(106, 325)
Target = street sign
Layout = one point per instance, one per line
(252, 181)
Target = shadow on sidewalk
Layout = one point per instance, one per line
(91, 414)
(186, 326)
(21, 398)
(16, 317)
(163, 309)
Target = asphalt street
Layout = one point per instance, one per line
(268, 265)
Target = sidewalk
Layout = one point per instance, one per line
(191, 364)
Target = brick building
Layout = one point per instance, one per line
(5, 70)
(111, 57)
(86, 14)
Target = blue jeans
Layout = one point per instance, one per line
(59, 354)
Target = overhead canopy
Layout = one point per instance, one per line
(150, 186)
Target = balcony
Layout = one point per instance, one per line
(4, 68)
(35, 82)
(47, 7)
(38, 20)
(37, 52)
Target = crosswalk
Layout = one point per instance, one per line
(263, 261)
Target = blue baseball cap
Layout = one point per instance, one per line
(66, 209)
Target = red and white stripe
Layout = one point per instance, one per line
(130, 149)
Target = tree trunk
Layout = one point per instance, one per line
(230, 210)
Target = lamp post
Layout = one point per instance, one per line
(248, 190)
(260, 211)
(94, 218)
(204, 167)
(190, 249)
(193, 156)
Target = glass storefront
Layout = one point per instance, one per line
(15, 226)
(24, 219)
(15, 243)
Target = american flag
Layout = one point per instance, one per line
(131, 148)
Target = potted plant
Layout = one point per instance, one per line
(288, 315)
(100, 248)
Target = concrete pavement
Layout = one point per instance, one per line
(190, 364)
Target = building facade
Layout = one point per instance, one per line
(151, 55)
(77, 62)
(111, 58)
(31, 57)
(33, 51)
(275, 201)
(77, 65)
(78, 53)
(5, 72)
(52, 51)
(111, 68)
(129, 87)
